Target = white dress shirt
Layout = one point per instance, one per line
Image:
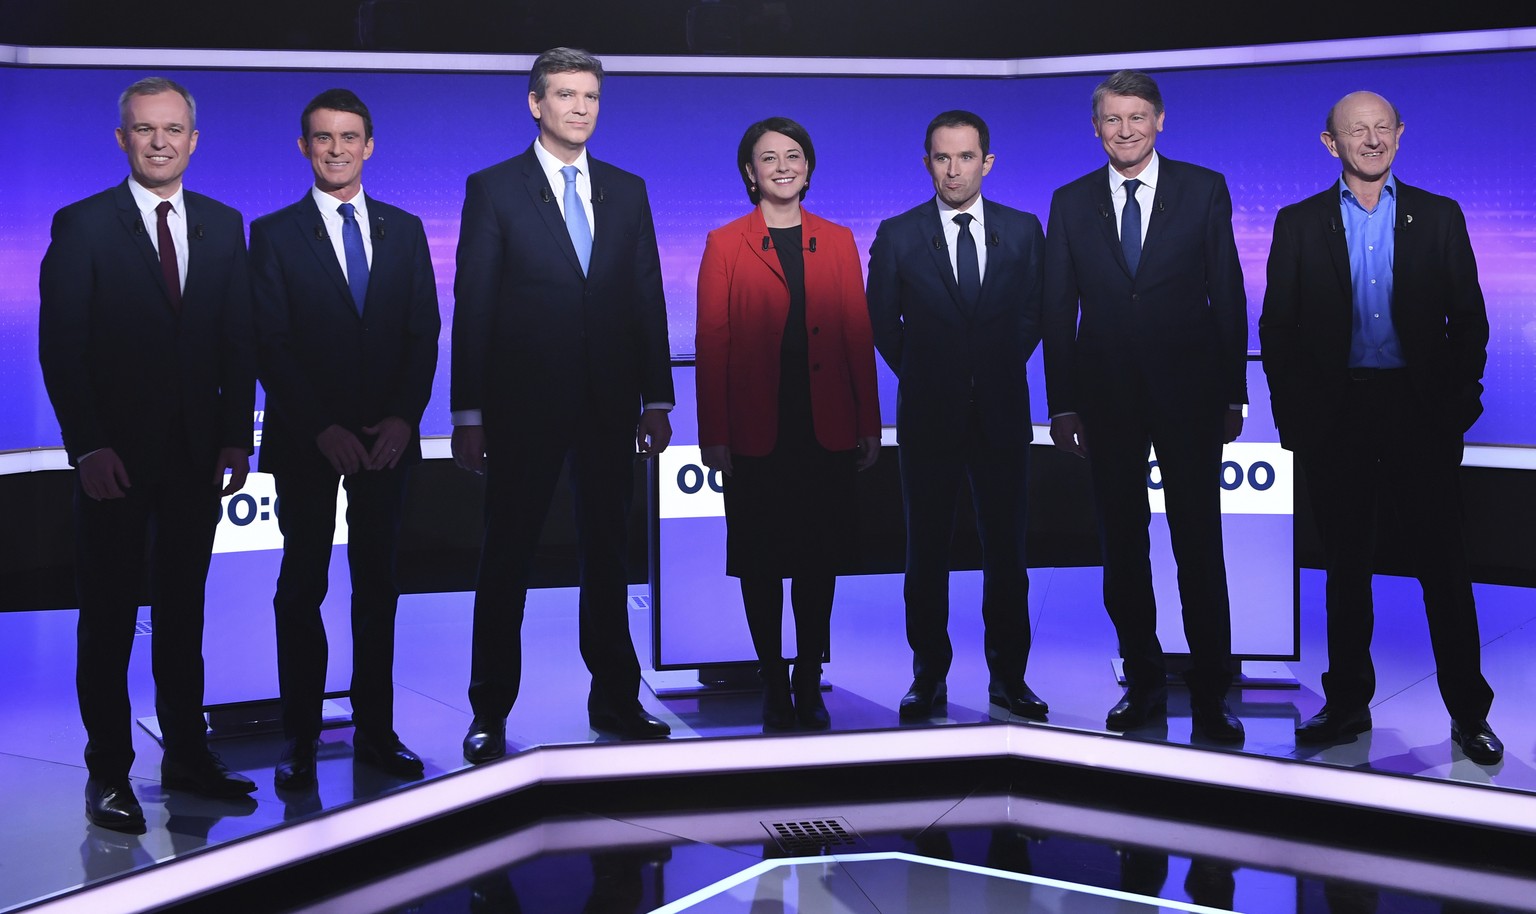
(176, 219)
(1144, 194)
(330, 216)
(947, 215)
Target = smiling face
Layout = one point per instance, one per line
(567, 114)
(158, 136)
(1128, 126)
(778, 168)
(337, 147)
(957, 165)
(1363, 133)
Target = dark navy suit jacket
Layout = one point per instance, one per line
(322, 363)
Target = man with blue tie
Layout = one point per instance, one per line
(347, 314)
(145, 344)
(954, 301)
(1375, 335)
(1145, 347)
(560, 358)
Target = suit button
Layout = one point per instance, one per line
(1135, 296)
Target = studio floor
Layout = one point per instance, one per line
(981, 847)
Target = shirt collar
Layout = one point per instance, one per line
(147, 201)
(947, 213)
(552, 165)
(1389, 189)
(1148, 175)
(328, 204)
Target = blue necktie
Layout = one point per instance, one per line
(967, 264)
(576, 219)
(357, 258)
(1130, 226)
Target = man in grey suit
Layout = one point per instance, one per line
(954, 300)
(1145, 346)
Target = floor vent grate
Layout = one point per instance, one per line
(812, 836)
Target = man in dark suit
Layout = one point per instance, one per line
(1145, 341)
(144, 338)
(954, 297)
(559, 339)
(347, 313)
(1374, 335)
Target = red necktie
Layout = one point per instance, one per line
(168, 268)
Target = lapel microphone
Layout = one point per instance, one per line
(378, 228)
(544, 194)
(767, 244)
(138, 227)
(938, 242)
(602, 196)
(992, 240)
(1103, 211)
(813, 244)
(1404, 220)
(197, 232)
(320, 234)
(1333, 224)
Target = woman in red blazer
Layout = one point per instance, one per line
(788, 408)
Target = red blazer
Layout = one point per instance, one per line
(743, 304)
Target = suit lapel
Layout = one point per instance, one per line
(753, 234)
(1104, 210)
(933, 241)
(1331, 227)
(1165, 202)
(138, 234)
(309, 225)
(542, 197)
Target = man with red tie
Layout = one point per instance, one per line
(145, 343)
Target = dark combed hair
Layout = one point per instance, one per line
(1129, 82)
(561, 60)
(755, 132)
(958, 118)
(337, 100)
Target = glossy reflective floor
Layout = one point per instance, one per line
(47, 846)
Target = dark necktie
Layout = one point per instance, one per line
(1130, 226)
(576, 219)
(967, 265)
(357, 258)
(168, 268)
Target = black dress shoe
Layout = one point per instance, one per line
(1136, 707)
(113, 805)
(1008, 700)
(1333, 724)
(810, 709)
(388, 755)
(203, 772)
(1214, 720)
(928, 698)
(630, 723)
(296, 766)
(486, 740)
(1477, 741)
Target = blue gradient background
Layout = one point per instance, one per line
(1259, 125)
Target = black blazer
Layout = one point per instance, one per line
(1437, 311)
(321, 363)
(943, 354)
(123, 370)
(1182, 321)
(532, 336)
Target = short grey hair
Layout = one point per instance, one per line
(155, 85)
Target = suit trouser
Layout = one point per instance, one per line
(931, 472)
(1188, 444)
(172, 522)
(1380, 446)
(521, 476)
(307, 517)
